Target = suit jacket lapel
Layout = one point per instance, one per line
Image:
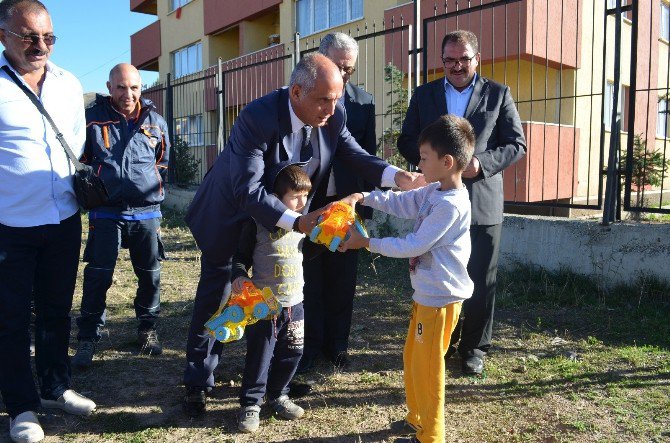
(476, 97)
(440, 97)
(285, 130)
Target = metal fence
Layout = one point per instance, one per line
(565, 61)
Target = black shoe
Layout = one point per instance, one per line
(306, 365)
(195, 401)
(406, 440)
(341, 361)
(297, 389)
(402, 427)
(473, 365)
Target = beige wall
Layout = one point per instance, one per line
(176, 34)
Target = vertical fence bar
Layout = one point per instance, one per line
(611, 187)
(414, 46)
(221, 95)
(169, 116)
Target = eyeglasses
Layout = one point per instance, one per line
(348, 71)
(464, 61)
(34, 39)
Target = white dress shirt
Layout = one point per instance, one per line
(288, 217)
(457, 101)
(35, 173)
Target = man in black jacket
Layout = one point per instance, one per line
(330, 277)
(489, 107)
(127, 145)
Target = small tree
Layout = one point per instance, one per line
(186, 166)
(397, 109)
(649, 167)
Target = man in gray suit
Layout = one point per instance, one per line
(330, 277)
(489, 107)
(304, 122)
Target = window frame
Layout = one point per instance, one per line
(622, 106)
(662, 131)
(180, 3)
(177, 73)
(309, 8)
(182, 129)
(665, 30)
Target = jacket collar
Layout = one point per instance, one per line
(480, 87)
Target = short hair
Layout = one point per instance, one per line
(10, 7)
(462, 37)
(338, 41)
(450, 135)
(292, 178)
(305, 72)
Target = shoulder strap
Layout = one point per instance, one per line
(33, 98)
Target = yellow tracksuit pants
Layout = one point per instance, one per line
(423, 360)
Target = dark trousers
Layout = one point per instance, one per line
(330, 284)
(202, 350)
(475, 325)
(274, 348)
(39, 261)
(142, 238)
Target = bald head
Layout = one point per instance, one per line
(125, 88)
(314, 89)
(311, 68)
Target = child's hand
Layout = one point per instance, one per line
(353, 199)
(355, 240)
(238, 284)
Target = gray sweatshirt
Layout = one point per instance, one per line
(439, 246)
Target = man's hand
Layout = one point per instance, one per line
(355, 240)
(307, 222)
(473, 168)
(238, 284)
(407, 181)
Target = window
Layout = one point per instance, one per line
(174, 4)
(665, 21)
(628, 15)
(622, 106)
(189, 129)
(317, 15)
(187, 60)
(662, 129)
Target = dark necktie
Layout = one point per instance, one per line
(306, 150)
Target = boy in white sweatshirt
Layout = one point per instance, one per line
(438, 250)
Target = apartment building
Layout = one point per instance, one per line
(557, 56)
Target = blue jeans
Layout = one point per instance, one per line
(39, 262)
(142, 238)
(274, 348)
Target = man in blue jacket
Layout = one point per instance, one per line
(127, 145)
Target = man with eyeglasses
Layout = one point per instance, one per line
(330, 277)
(489, 107)
(40, 225)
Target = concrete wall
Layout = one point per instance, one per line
(614, 254)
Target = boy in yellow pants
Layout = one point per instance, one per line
(439, 250)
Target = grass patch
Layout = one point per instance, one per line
(570, 362)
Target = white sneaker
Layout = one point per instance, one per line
(25, 428)
(72, 403)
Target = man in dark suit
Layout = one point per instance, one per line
(330, 277)
(276, 127)
(489, 107)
